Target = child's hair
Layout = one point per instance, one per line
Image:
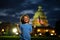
(22, 18)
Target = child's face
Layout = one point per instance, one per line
(26, 19)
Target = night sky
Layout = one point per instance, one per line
(11, 10)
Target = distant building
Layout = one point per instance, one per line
(40, 24)
(44, 31)
(40, 18)
(5, 28)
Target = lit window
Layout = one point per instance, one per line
(53, 31)
(35, 34)
(47, 30)
(38, 30)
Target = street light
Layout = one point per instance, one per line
(14, 30)
(40, 33)
(17, 33)
(2, 30)
(51, 34)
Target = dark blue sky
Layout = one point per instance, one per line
(11, 10)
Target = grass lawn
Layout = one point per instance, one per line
(33, 38)
(9, 38)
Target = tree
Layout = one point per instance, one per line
(57, 27)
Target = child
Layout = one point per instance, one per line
(25, 28)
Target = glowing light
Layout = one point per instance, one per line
(15, 30)
(0, 22)
(58, 35)
(17, 33)
(2, 30)
(53, 31)
(52, 34)
(47, 30)
(35, 34)
(40, 33)
(34, 26)
(38, 30)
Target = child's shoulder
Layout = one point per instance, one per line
(21, 24)
(25, 24)
(30, 24)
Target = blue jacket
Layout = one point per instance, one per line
(26, 29)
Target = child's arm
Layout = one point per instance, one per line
(18, 28)
(19, 31)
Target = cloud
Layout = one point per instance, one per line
(30, 12)
(13, 15)
(3, 14)
(56, 9)
(5, 10)
(30, 2)
(27, 12)
(34, 1)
